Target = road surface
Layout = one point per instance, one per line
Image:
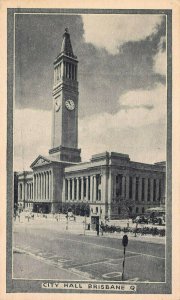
(46, 250)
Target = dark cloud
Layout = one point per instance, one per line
(103, 77)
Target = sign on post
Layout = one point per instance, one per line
(125, 240)
(125, 243)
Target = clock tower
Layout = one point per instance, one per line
(64, 141)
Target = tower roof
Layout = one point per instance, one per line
(66, 47)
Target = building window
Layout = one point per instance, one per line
(73, 72)
(84, 187)
(160, 190)
(118, 185)
(75, 188)
(137, 186)
(79, 188)
(119, 210)
(142, 210)
(96, 209)
(143, 189)
(98, 187)
(130, 187)
(154, 190)
(137, 210)
(149, 192)
(89, 187)
(130, 209)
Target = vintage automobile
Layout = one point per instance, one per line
(140, 220)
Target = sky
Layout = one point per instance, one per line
(122, 84)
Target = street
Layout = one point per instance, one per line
(50, 249)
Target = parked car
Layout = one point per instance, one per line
(140, 220)
(160, 220)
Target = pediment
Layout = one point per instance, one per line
(40, 161)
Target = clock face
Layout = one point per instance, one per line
(57, 104)
(70, 104)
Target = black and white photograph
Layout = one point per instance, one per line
(89, 165)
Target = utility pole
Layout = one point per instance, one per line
(125, 243)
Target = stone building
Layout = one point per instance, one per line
(109, 185)
(25, 189)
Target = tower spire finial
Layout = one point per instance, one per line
(66, 47)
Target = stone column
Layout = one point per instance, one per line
(127, 187)
(82, 188)
(70, 71)
(46, 186)
(77, 189)
(151, 189)
(123, 186)
(63, 191)
(91, 188)
(34, 185)
(72, 188)
(40, 177)
(42, 186)
(39, 186)
(87, 188)
(52, 186)
(146, 190)
(140, 189)
(95, 187)
(133, 188)
(110, 193)
(48, 176)
(163, 191)
(74, 72)
(157, 189)
(62, 70)
(68, 188)
(100, 189)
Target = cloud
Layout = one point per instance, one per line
(134, 129)
(160, 59)
(139, 132)
(32, 136)
(111, 31)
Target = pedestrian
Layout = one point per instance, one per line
(18, 215)
(97, 228)
(102, 228)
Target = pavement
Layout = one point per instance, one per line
(77, 227)
(51, 249)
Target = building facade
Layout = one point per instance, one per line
(110, 185)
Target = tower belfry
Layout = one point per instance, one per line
(64, 140)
